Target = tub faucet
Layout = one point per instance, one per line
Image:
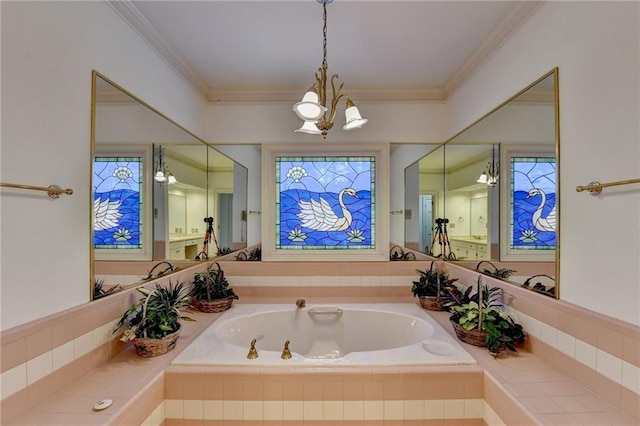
(286, 353)
(300, 303)
(253, 353)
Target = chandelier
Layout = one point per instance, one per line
(491, 171)
(161, 172)
(313, 107)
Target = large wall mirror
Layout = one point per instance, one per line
(488, 199)
(162, 198)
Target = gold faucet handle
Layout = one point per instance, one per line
(300, 303)
(253, 353)
(286, 353)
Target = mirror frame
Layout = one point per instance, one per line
(94, 76)
(556, 104)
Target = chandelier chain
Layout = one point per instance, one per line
(324, 34)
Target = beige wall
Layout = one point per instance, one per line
(48, 52)
(47, 63)
(597, 49)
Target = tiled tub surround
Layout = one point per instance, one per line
(529, 382)
(41, 358)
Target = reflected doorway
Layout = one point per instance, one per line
(426, 221)
(225, 220)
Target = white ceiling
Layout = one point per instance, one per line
(269, 50)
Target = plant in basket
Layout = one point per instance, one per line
(483, 321)
(154, 320)
(210, 290)
(503, 273)
(432, 288)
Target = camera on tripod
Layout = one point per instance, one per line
(441, 221)
(208, 220)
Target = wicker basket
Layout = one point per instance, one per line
(432, 303)
(212, 306)
(146, 347)
(473, 337)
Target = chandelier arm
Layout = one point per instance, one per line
(336, 96)
(321, 81)
(324, 123)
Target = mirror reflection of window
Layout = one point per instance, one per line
(533, 203)
(117, 202)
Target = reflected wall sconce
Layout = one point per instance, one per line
(162, 173)
(491, 171)
(313, 106)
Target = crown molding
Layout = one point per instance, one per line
(288, 94)
(137, 21)
(508, 23)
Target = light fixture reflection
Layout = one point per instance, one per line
(491, 172)
(162, 173)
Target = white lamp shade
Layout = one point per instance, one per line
(308, 108)
(309, 127)
(353, 118)
(160, 177)
(171, 179)
(483, 178)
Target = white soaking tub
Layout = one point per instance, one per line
(330, 335)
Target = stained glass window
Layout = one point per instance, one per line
(117, 205)
(533, 203)
(325, 202)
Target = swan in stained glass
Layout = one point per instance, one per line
(319, 215)
(547, 223)
(105, 214)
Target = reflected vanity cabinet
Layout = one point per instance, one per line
(185, 248)
(464, 249)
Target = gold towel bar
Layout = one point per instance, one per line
(53, 191)
(595, 188)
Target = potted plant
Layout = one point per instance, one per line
(252, 255)
(211, 291)
(503, 273)
(99, 289)
(154, 320)
(397, 253)
(482, 321)
(432, 288)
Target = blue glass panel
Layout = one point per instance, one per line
(325, 203)
(533, 203)
(117, 205)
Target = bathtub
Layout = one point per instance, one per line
(335, 335)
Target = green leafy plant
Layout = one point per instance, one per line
(427, 284)
(157, 314)
(503, 273)
(212, 285)
(253, 255)
(100, 291)
(397, 253)
(541, 288)
(502, 331)
(167, 270)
